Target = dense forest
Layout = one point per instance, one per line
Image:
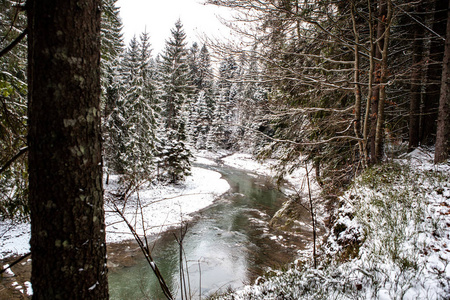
(341, 86)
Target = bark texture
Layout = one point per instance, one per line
(442, 152)
(65, 164)
(434, 75)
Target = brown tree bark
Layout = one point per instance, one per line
(375, 98)
(434, 73)
(442, 152)
(357, 91)
(379, 91)
(65, 164)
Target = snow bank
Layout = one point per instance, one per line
(296, 180)
(164, 207)
(391, 240)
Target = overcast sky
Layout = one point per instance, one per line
(159, 16)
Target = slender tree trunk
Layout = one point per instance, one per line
(358, 99)
(434, 75)
(367, 117)
(416, 76)
(443, 125)
(65, 163)
(379, 45)
(381, 70)
(379, 136)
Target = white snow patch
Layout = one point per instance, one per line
(14, 238)
(164, 207)
(29, 288)
(8, 272)
(93, 287)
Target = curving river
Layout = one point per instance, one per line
(227, 245)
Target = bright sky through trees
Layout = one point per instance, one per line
(158, 17)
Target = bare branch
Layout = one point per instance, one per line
(15, 157)
(14, 43)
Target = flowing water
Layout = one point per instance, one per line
(227, 245)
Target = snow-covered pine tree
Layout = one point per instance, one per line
(139, 109)
(190, 109)
(225, 105)
(194, 65)
(112, 47)
(201, 110)
(205, 78)
(13, 113)
(118, 120)
(201, 120)
(252, 107)
(176, 91)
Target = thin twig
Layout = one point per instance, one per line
(146, 251)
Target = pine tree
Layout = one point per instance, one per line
(225, 105)
(176, 91)
(112, 51)
(135, 116)
(13, 111)
(251, 107)
(201, 120)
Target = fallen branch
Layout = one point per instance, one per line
(15, 263)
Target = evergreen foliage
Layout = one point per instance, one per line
(176, 90)
(13, 112)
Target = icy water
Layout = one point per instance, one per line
(227, 245)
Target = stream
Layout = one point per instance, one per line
(227, 245)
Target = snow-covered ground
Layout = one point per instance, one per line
(391, 240)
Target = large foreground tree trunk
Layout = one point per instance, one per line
(443, 126)
(65, 165)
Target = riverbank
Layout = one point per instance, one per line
(391, 240)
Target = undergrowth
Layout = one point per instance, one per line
(389, 242)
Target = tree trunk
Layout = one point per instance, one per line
(434, 74)
(357, 91)
(415, 95)
(443, 125)
(367, 141)
(379, 45)
(384, 23)
(65, 164)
